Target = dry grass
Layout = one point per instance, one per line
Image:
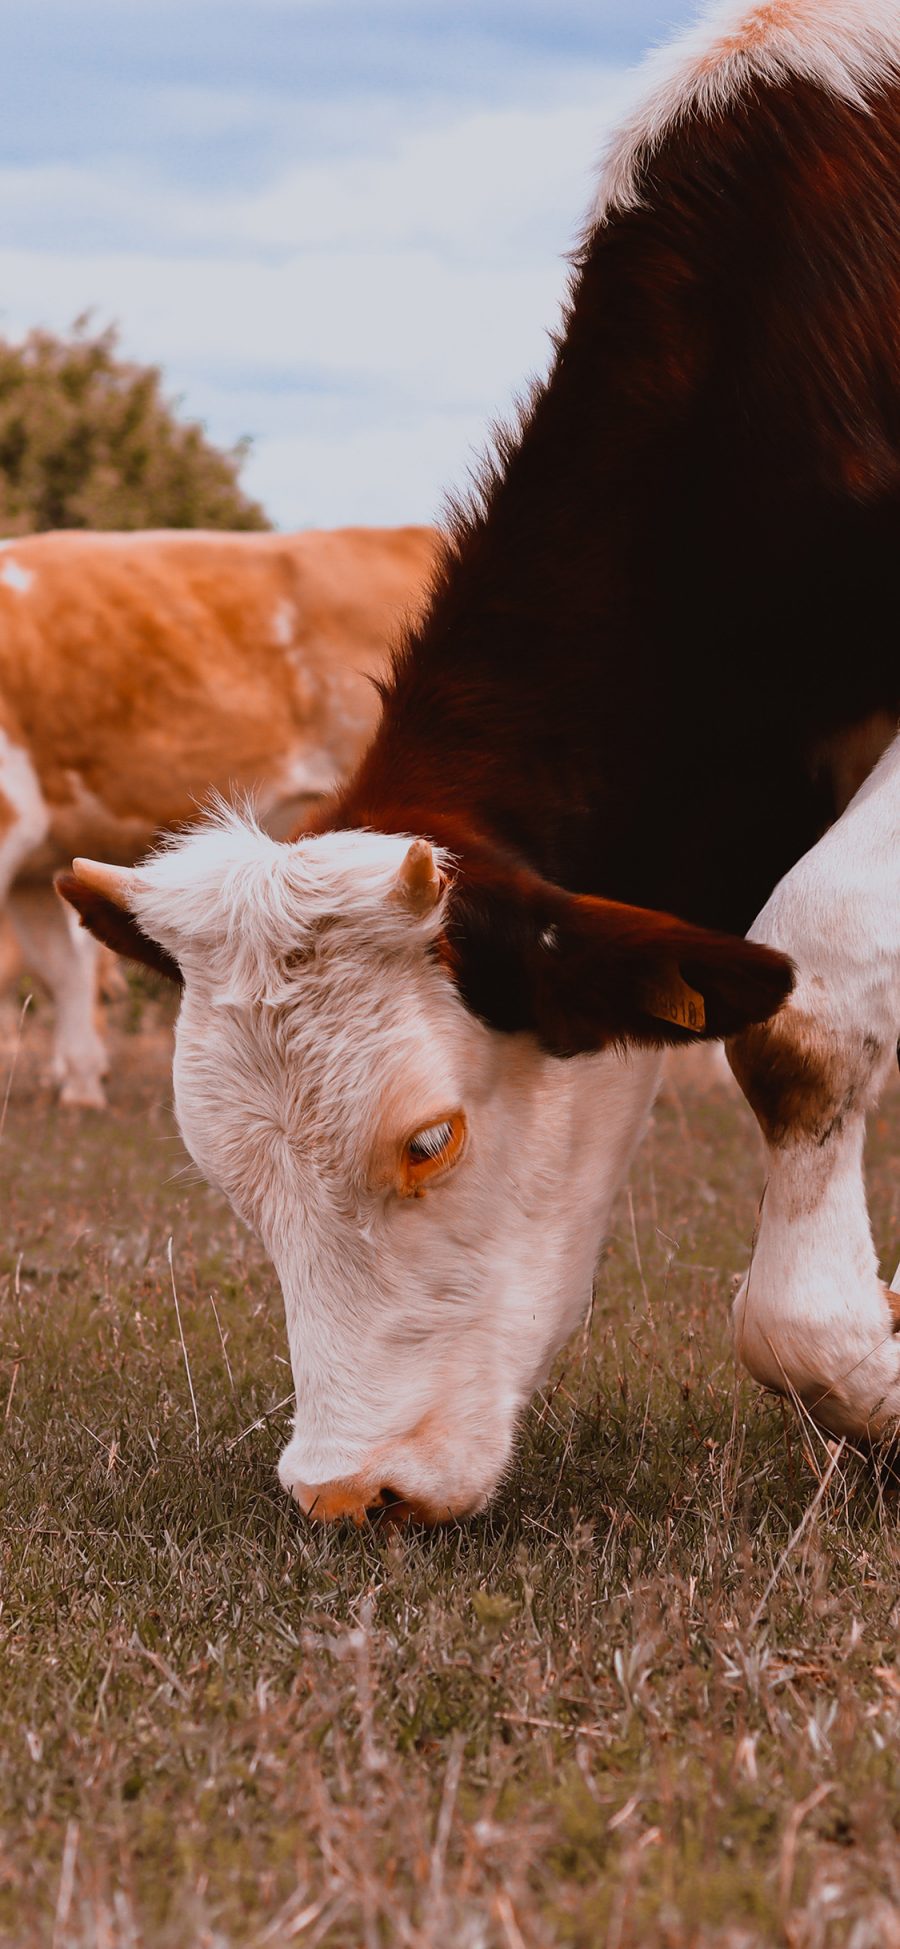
(619, 1710)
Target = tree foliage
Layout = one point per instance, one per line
(88, 440)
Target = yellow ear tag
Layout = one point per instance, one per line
(677, 1003)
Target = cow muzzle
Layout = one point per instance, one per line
(358, 1501)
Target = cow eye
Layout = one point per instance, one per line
(430, 1142)
(431, 1151)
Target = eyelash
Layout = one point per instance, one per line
(430, 1153)
(430, 1142)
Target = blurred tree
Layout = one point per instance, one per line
(88, 440)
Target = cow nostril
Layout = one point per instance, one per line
(390, 1507)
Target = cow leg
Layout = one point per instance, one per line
(813, 1318)
(65, 958)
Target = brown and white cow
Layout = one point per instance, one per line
(417, 1045)
(138, 671)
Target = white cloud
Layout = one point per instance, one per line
(384, 474)
(364, 316)
(406, 321)
(479, 184)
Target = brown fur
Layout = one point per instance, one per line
(801, 1084)
(673, 591)
(846, 758)
(116, 929)
(7, 815)
(140, 671)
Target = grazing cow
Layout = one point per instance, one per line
(418, 1045)
(137, 671)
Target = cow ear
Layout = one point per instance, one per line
(115, 927)
(582, 974)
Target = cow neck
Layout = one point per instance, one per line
(641, 632)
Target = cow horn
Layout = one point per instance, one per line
(115, 883)
(418, 885)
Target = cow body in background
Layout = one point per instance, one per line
(664, 633)
(140, 672)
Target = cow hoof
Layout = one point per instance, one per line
(791, 1345)
(82, 1096)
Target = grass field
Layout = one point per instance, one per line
(652, 1697)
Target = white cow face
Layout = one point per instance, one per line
(431, 1189)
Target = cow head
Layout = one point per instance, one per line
(420, 1080)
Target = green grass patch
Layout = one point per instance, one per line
(558, 1724)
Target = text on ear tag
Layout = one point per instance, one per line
(678, 1003)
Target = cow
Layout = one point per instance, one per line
(419, 1042)
(137, 671)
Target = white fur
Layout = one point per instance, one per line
(308, 774)
(851, 48)
(22, 833)
(812, 1315)
(65, 957)
(16, 577)
(316, 1033)
(60, 953)
(284, 624)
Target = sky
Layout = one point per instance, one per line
(339, 226)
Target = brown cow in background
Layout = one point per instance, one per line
(141, 672)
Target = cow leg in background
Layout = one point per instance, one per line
(64, 957)
(813, 1317)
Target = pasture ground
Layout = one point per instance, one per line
(653, 1697)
